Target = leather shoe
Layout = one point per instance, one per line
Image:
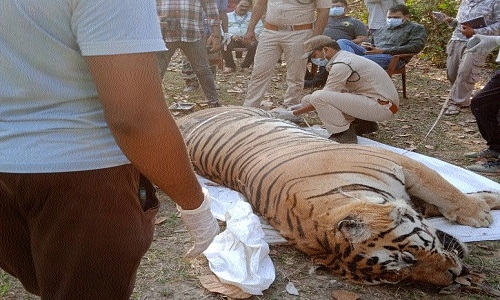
(364, 126)
(345, 137)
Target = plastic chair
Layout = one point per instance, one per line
(396, 68)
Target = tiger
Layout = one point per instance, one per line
(356, 209)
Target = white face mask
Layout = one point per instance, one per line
(394, 22)
(337, 11)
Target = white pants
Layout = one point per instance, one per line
(337, 110)
(271, 45)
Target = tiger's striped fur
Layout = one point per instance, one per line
(347, 206)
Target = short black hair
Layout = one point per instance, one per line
(344, 2)
(249, 1)
(333, 44)
(400, 7)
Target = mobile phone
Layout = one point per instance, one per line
(439, 16)
(366, 45)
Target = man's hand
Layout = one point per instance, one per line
(284, 114)
(439, 16)
(202, 226)
(295, 107)
(468, 31)
(249, 37)
(214, 42)
(374, 50)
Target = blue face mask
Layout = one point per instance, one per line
(337, 11)
(394, 22)
(322, 62)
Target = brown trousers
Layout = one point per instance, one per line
(76, 235)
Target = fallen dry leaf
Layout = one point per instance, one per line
(291, 289)
(463, 280)
(482, 289)
(451, 289)
(235, 90)
(344, 295)
(482, 246)
(478, 278)
(160, 220)
(213, 284)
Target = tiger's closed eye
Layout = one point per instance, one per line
(408, 258)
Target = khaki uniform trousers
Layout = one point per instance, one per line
(272, 44)
(463, 71)
(337, 110)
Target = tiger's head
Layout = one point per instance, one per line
(388, 243)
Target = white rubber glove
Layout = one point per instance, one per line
(284, 114)
(202, 226)
(226, 38)
(296, 106)
(483, 44)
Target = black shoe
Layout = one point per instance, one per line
(364, 127)
(492, 167)
(345, 137)
(308, 84)
(213, 104)
(485, 153)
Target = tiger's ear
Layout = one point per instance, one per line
(354, 230)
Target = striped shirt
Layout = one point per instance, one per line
(183, 20)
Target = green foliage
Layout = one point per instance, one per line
(4, 283)
(438, 34)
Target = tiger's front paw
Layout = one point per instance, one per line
(476, 214)
(481, 219)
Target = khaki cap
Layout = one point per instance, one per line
(314, 43)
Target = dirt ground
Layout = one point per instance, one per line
(164, 275)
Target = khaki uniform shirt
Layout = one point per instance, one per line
(355, 74)
(294, 12)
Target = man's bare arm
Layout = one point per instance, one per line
(129, 89)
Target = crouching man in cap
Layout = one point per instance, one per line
(356, 88)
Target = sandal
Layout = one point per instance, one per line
(227, 70)
(453, 109)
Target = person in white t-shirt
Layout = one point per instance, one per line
(84, 131)
(377, 12)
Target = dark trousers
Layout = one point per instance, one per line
(247, 62)
(76, 235)
(485, 106)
